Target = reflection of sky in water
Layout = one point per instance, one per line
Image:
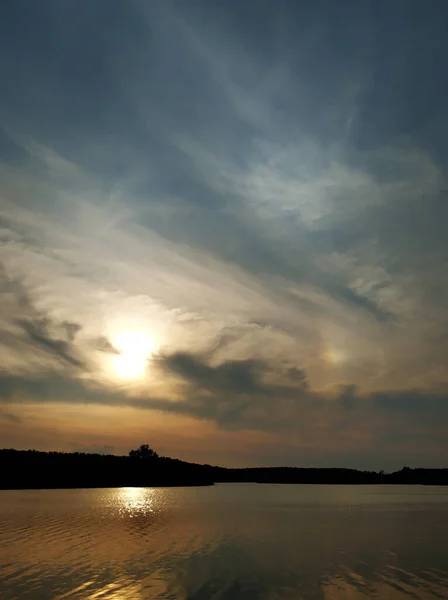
(225, 543)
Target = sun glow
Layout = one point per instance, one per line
(334, 356)
(135, 348)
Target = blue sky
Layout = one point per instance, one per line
(258, 192)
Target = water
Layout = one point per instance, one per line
(225, 542)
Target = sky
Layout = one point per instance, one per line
(223, 230)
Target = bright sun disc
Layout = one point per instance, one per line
(135, 347)
(129, 367)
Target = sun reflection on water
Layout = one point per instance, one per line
(122, 589)
(118, 590)
(137, 501)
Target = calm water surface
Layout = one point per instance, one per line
(225, 542)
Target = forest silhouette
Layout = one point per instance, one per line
(143, 467)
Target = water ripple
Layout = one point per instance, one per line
(215, 543)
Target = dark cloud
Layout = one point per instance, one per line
(230, 377)
(104, 345)
(71, 329)
(38, 332)
(421, 407)
(51, 387)
(53, 337)
(235, 393)
(44, 333)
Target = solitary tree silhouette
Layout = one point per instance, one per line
(143, 452)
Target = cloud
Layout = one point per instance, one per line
(42, 333)
(258, 396)
(104, 345)
(234, 393)
(260, 319)
(71, 329)
(38, 333)
(245, 394)
(232, 376)
(270, 213)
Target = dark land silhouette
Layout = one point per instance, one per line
(32, 469)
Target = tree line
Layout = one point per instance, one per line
(143, 467)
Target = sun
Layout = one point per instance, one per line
(129, 367)
(134, 347)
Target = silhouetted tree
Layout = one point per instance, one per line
(143, 452)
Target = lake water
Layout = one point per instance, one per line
(225, 542)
